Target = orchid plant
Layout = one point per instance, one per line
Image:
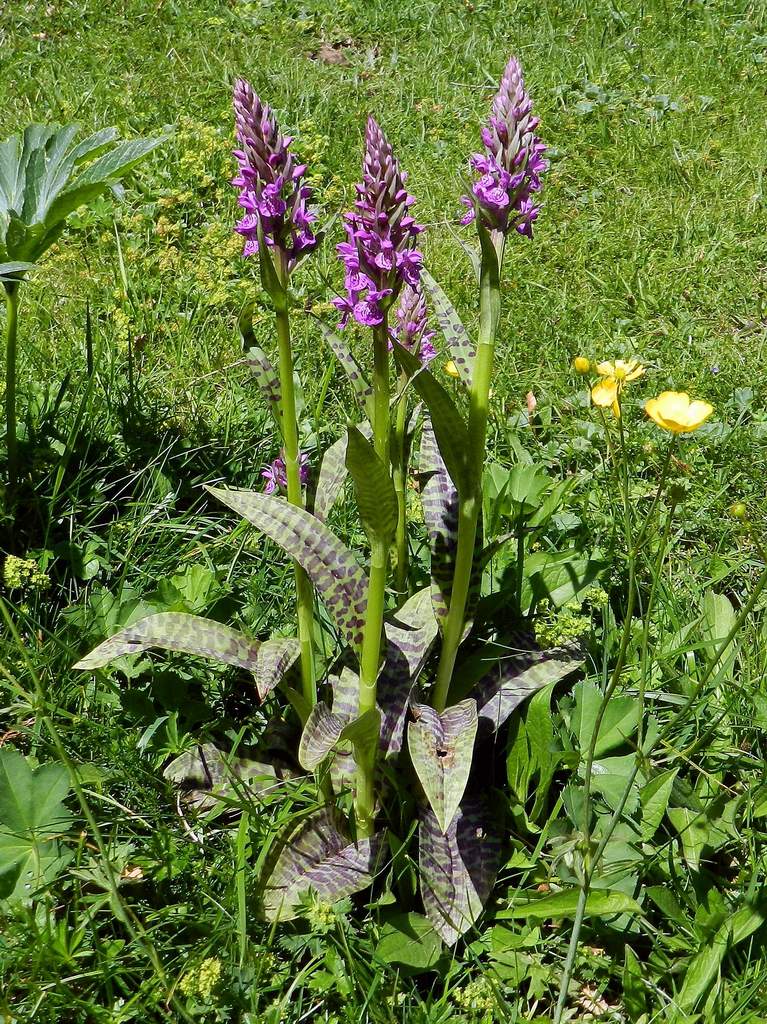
(399, 723)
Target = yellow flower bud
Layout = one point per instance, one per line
(581, 364)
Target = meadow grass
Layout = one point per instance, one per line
(651, 242)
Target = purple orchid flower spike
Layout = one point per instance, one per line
(510, 169)
(276, 475)
(270, 182)
(379, 253)
(410, 328)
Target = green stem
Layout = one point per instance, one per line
(370, 659)
(11, 332)
(470, 503)
(399, 466)
(590, 864)
(304, 593)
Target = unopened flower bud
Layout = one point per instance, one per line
(738, 510)
(581, 364)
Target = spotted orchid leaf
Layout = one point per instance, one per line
(320, 858)
(333, 473)
(441, 748)
(324, 729)
(260, 364)
(207, 776)
(450, 431)
(346, 690)
(457, 868)
(516, 676)
(362, 389)
(191, 634)
(330, 565)
(376, 498)
(462, 349)
(440, 503)
(409, 636)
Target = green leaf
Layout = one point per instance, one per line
(609, 776)
(333, 473)
(207, 777)
(192, 634)
(441, 748)
(462, 349)
(718, 621)
(449, 428)
(457, 867)
(330, 565)
(697, 832)
(559, 577)
(654, 799)
(376, 497)
(634, 992)
(318, 856)
(618, 723)
(439, 500)
(518, 675)
(704, 968)
(14, 271)
(362, 389)
(410, 940)
(564, 903)
(32, 816)
(260, 365)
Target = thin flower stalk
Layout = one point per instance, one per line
(501, 201)
(278, 218)
(380, 257)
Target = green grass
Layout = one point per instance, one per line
(651, 242)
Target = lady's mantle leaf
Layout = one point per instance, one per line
(192, 634)
(457, 868)
(319, 857)
(441, 748)
(330, 565)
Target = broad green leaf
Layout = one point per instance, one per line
(558, 577)
(609, 776)
(410, 940)
(362, 389)
(317, 856)
(718, 620)
(192, 634)
(449, 428)
(634, 991)
(373, 486)
(697, 833)
(462, 349)
(704, 968)
(654, 797)
(457, 868)
(330, 565)
(333, 473)
(564, 903)
(618, 723)
(441, 748)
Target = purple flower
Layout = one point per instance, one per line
(410, 328)
(379, 253)
(510, 169)
(276, 473)
(270, 182)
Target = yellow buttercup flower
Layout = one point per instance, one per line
(581, 364)
(673, 410)
(451, 369)
(621, 370)
(605, 394)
